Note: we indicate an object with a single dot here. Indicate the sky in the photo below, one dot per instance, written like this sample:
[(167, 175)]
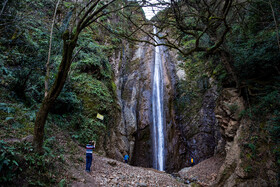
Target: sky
[(151, 11)]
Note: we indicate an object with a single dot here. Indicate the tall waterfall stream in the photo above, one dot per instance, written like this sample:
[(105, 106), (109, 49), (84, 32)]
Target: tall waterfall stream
[(158, 117)]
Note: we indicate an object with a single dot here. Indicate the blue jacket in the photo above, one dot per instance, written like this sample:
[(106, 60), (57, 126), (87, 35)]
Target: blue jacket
[(126, 157)]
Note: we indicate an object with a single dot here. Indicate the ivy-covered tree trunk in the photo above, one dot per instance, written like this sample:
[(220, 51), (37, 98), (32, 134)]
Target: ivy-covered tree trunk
[(69, 45)]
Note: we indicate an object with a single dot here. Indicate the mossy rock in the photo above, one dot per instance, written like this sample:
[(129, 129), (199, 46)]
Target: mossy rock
[(133, 65)]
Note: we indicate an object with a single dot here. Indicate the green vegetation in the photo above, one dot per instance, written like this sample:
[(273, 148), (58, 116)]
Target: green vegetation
[(251, 52), (8, 163), (191, 89), (255, 50), (88, 90), (239, 48), (21, 160), (24, 48)]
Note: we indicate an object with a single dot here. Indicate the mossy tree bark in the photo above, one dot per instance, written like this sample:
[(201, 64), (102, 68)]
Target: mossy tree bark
[(69, 45)]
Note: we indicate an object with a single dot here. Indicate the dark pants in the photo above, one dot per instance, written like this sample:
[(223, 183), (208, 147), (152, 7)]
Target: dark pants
[(88, 161), (126, 161)]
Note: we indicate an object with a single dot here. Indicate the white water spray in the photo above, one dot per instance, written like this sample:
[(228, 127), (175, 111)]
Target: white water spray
[(157, 102)]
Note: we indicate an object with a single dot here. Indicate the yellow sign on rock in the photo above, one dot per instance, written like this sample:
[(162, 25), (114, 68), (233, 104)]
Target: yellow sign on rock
[(99, 116)]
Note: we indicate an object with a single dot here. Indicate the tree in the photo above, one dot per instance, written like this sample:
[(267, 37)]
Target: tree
[(206, 23), (49, 54), (91, 12), (276, 23), (192, 26)]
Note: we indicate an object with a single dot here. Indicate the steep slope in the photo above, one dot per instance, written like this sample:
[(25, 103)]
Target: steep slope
[(69, 168), (104, 171)]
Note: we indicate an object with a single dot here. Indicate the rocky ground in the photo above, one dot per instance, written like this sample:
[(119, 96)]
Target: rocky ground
[(105, 171), (204, 173), (108, 172)]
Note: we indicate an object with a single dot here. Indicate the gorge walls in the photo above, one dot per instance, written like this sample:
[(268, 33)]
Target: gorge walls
[(130, 132), (242, 166)]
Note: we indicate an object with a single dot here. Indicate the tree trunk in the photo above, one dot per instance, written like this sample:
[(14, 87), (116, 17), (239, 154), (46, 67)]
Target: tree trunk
[(41, 117), (40, 125)]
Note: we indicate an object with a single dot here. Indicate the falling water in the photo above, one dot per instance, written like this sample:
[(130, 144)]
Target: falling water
[(157, 101)]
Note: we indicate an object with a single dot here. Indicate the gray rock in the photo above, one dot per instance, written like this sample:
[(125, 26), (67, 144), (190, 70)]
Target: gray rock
[(142, 185), (27, 139), (182, 173), (112, 163)]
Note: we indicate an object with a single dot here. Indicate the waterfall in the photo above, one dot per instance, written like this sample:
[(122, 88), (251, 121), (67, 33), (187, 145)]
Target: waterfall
[(157, 102)]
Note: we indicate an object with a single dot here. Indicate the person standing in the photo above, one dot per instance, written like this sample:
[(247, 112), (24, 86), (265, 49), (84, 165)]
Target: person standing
[(89, 148), (125, 158), (192, 161)]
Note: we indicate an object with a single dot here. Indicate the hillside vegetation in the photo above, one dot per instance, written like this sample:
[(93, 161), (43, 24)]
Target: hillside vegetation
[(242, 51)]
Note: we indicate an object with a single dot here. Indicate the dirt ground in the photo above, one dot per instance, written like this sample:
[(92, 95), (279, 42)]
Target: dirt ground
[(204, 173), (109, 172), (106, 171)]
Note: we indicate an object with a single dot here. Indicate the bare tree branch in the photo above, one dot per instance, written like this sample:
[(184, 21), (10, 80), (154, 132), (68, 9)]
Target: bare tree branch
[(276, 24), (3, 8), (49, 54)]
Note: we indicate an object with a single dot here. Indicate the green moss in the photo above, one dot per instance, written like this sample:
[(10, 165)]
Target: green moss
[(132, 65), (126, 93), (114, 86), (193, 184)]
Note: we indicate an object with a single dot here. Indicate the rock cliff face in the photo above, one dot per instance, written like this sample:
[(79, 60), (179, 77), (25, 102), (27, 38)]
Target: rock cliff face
[(216, 127), (131, 131), (241, 167), (201, 132), (196, 120)]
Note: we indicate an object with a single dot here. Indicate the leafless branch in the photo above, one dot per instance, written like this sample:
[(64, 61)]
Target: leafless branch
[(49, 53), (3, 8)]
